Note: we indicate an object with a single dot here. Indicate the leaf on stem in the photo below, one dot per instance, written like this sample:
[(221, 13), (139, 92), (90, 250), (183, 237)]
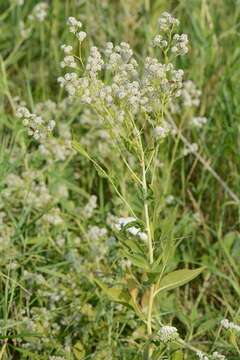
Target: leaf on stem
[(178, 278)]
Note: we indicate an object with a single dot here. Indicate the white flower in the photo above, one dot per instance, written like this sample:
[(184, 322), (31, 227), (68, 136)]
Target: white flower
[(218, 356), (202, 356), (67, 48), (37, 126), (190, 94), (94, 62), (167, 21), (51, 125), (90, 207), (53, 218), (230, 325), (81, 35), (95, 233), (39, 12), (180, 44), (74, 24), (170, 199), (23, 112), (199, 121), (162, 131), (168, 333), (69, 61), (124, 221), (191, 149), (159, 41), (133, 230)]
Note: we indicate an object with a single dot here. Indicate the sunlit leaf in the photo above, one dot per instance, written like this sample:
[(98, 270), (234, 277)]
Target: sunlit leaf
[(178, 278)]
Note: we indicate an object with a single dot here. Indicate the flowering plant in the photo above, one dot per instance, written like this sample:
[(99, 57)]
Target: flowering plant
[(131, 99)]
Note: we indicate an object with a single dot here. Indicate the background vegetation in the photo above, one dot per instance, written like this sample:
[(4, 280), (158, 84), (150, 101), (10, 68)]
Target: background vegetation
[(49, 247)]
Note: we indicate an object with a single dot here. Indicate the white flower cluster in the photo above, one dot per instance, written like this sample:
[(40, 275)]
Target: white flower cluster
[(98, 244), (40, 12), (52, 218), (160, 132), (168, 333), (37, 126), (29, 188), (133, 230), (57, 148), (180, 44), (161, 79), (190, 94), (226, 324), (96, 232), (159, 41), (70, 82), (166, 22), (217, 356), (69, 59), (94, 62), (199, 121), (202, 356), (129, 88), (191, 149), (170, 199), (90, 207), (75, 26)]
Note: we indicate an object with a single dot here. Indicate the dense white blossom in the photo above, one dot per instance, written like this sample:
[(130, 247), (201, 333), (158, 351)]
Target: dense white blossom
[(202, 356), (199, 121), (37, 126), (226, 324), (168, 333), (217, 356), (40, 12), (192, 148), (90, 207), (74, 24), (190, 94), (134, 230), (81, 35), (166, 21), (180, 44)]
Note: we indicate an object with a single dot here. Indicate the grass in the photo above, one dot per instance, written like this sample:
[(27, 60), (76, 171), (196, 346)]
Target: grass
[(49, 303)]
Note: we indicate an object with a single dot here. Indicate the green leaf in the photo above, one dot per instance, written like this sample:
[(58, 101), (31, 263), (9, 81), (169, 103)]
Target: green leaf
[(79, 351), (79, 148), (178, 355), (116, 294), (133, 245), (137, 260), (178, 278), (120, 295)]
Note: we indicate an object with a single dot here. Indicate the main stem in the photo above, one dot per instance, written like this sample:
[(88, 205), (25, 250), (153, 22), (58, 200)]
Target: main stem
[(150, 245)]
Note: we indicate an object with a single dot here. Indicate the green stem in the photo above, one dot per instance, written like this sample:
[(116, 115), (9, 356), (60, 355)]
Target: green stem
[(150, 247)]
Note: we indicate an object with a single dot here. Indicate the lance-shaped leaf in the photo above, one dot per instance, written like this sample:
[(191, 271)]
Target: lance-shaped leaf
[(177, 278), (119, 295), (116, 294), (137, 260)]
